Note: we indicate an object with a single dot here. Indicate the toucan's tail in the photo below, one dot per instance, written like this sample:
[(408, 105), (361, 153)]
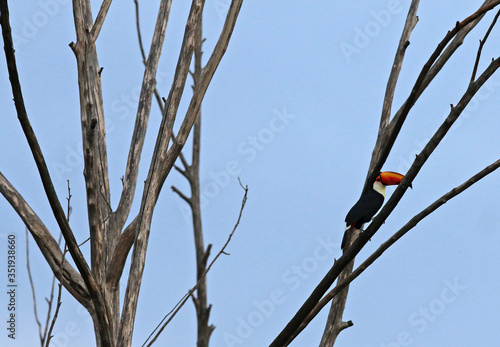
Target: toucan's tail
[(347, 228)]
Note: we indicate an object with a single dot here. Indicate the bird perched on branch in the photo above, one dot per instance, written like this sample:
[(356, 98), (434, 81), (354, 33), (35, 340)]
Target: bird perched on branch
[(370, 202)]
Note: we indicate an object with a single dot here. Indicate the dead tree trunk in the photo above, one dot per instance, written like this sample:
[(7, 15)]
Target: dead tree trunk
[(334, 323), (192, 174)]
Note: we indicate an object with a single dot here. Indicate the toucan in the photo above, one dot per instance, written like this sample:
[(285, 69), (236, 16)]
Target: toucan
[(370, 202)]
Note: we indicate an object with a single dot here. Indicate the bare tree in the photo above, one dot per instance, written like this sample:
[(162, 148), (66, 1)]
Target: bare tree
[(387, 134), (95, 283)]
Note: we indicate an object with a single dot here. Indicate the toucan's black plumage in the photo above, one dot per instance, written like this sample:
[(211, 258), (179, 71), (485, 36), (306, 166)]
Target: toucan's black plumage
[(364, 210), (370, 202)]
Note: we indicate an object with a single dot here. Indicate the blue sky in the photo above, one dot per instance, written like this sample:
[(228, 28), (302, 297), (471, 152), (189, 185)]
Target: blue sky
[(293, 111)]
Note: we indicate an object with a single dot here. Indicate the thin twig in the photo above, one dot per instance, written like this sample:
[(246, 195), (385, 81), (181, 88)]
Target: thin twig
[(56, 313), (182, 158), (48, 334), (400, 233), (30, 277), (185, 298), (49, 309), (43, 336), (481, 44), (81, 244), (143, 53), (181, 171), (139, 35), (52, 286), (182, 195)]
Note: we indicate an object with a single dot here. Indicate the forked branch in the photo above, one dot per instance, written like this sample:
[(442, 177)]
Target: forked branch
[(481, 44), (99, 21)]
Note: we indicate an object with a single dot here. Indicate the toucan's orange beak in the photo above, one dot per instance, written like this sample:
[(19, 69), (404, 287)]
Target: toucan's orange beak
[(390, 178)]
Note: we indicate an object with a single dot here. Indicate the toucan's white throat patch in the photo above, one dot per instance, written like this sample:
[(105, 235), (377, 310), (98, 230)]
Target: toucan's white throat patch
[(379, 188)]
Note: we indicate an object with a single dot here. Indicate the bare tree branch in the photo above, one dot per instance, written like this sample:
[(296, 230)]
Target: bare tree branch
[(48, 333), (404, 42), (181, 171), (59, 292), (186, 297), (182, 195), (182, 158), (56, 313), (143, 53), (449, 51), (139, 35), (481, 44), (108, 246), (43, 336), (50, 301), (428, 149), (143, 111), (94, 144), (122, 248), (99, 21), (334, 323)]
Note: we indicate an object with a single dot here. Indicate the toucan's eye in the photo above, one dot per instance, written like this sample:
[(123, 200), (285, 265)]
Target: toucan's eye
[(378, 179)]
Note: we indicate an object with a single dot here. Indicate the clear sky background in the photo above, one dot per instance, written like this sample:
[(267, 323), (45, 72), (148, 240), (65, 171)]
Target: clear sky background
[(293, 110)]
